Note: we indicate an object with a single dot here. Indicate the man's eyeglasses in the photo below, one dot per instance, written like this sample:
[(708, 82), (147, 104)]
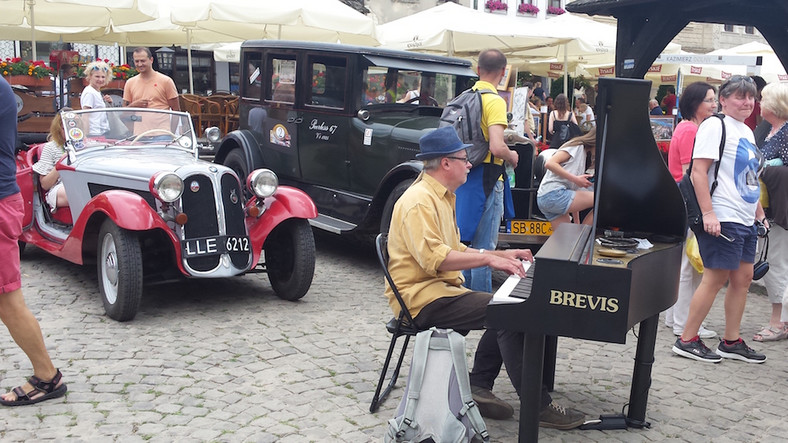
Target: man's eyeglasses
[(462, 159)]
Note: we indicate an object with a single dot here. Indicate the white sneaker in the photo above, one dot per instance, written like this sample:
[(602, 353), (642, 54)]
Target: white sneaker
[(702, 332)]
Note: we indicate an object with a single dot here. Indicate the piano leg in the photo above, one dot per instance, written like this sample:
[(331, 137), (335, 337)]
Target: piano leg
[(550, 351), (531, 387), (641, 375)]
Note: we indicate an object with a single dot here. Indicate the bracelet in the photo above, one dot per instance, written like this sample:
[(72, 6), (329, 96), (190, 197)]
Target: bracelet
[(708, 212)]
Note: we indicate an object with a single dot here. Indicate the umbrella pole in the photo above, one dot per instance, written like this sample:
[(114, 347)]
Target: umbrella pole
[(566, 75), (189, 59), (32, 3)]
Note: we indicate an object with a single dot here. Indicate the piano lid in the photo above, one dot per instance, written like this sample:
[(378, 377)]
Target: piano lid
[(635, 192)]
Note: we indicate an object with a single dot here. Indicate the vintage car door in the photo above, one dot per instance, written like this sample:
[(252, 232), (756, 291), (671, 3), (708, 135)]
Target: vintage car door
[(323, 131), (24, 178), (279, 126)]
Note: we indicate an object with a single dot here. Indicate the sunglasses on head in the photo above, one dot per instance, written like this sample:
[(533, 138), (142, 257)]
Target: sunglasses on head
[(99, 68), (736, 79)]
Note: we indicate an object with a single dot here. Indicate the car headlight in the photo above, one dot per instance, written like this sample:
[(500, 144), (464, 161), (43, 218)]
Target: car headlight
[(263, 182), (166, 186)]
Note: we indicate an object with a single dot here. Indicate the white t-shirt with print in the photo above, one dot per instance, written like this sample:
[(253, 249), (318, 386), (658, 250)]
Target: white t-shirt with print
[(576, 165), (736, 197)]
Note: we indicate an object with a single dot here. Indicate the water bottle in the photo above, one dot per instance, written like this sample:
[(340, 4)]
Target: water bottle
[(510, 174)]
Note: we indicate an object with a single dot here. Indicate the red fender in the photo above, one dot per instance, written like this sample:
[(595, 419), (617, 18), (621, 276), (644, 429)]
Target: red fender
[(287, 202), (127, 209)]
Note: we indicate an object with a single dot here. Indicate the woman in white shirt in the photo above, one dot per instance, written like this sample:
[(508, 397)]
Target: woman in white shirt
[(98, 74)]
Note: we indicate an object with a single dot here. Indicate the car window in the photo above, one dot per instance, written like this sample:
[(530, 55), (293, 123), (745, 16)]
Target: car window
[(252, 85), (107, 127), (282, 79), (329, 76), (389, 85)]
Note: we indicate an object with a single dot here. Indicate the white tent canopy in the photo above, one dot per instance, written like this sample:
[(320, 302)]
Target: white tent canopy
[(452, 29), (772, 70), (314, 20)]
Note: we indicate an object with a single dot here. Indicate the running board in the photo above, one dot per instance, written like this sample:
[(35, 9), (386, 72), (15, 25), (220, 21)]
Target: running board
[(331, 224)]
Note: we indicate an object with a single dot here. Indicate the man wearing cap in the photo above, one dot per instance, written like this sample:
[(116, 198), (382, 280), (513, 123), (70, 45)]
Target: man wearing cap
[(426, 258)]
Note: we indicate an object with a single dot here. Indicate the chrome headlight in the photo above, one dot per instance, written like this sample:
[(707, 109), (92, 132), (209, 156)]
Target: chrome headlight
[(166, 186), (213, 134), (263, 182)]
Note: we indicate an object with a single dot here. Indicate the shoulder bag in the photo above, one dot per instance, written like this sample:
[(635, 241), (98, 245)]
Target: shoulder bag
[(694, 214)]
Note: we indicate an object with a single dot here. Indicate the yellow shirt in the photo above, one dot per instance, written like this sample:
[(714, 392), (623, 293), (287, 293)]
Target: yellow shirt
[(423, 231), (493, 112)]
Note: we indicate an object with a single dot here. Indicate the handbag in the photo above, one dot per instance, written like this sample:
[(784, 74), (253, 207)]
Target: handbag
[(694, 214), (760, 268), (565, 131)]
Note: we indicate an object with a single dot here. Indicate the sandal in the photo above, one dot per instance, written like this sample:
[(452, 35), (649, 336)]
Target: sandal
[(42, 390), (769, 333)]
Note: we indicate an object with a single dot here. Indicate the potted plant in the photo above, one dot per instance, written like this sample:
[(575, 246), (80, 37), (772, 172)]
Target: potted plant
[(555, 10), (30, 73), (496, 6), (527, 8)]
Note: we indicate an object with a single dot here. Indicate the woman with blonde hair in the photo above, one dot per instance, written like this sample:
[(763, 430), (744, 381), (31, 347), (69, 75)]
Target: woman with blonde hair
[(98, 74), (565, 187), (52, 151)]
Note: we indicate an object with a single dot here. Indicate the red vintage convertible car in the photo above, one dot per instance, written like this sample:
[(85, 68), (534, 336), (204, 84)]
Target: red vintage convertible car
[(145, 208)]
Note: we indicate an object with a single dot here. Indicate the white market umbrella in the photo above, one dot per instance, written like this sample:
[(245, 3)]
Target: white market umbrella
[(328, 21), (772, 70), (74, 14), (451, 29)]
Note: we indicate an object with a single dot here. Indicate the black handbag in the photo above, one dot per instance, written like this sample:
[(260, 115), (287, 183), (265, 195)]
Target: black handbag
[(760, 268), (694, 214)]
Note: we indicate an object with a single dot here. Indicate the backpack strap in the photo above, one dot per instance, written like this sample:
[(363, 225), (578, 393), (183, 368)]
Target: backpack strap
[(469, 408), (418, 365), (717, 163)]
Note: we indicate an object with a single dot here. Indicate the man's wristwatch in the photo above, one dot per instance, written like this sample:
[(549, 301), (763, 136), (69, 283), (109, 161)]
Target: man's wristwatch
[(481, 251)]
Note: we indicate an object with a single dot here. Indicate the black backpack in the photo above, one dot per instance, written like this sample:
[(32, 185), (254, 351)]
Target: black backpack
[(464, 114)]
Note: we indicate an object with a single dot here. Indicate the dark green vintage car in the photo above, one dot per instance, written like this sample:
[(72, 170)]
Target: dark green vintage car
[(343, 124), (340, 122)]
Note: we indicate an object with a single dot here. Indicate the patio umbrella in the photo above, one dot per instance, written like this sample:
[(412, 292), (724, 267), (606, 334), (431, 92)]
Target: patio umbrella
[(311, 20), (73, 16), (455, 30), (772, 69)]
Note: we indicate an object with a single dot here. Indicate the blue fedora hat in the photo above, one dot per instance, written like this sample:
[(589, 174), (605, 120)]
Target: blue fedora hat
[(439, 143)]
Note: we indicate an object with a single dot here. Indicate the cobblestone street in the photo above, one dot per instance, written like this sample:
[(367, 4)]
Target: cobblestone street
[(226, 360)]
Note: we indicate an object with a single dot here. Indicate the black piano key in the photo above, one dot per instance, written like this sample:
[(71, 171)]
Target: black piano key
[(523, 288)]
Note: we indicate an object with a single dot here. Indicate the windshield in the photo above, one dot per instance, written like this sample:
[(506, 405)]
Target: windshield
[(91, 128), (390, 85)]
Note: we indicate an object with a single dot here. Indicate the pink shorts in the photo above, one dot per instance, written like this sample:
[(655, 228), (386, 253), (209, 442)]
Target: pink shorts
[(11, 212)]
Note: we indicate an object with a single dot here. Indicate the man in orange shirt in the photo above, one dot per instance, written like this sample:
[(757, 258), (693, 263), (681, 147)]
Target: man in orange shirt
[(149, 89)]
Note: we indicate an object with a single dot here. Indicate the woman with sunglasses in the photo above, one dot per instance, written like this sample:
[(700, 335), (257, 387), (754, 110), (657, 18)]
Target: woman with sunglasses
[(728, 241), (98, 74)]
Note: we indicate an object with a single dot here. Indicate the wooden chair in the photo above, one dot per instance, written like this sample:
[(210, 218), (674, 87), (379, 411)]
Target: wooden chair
[(212, 114), (194, 108), (231, 122)]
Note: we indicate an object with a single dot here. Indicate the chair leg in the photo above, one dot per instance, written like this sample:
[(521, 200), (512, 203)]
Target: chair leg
[(379, 396)]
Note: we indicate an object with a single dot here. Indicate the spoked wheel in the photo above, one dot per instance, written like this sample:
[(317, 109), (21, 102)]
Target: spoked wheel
[(290, 258), (119, 258)]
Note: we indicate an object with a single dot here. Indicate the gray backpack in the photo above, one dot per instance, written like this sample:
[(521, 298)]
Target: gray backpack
[(464, 114), (438, 404)]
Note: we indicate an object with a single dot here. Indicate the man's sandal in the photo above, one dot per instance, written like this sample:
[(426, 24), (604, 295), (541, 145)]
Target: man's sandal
[(42, 390), (769, 333)]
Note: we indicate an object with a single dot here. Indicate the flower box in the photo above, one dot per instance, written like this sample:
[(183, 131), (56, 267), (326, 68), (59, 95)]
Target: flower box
[(30, 82)]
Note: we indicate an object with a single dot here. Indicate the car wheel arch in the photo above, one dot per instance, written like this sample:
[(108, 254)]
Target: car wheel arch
[(246, 142)]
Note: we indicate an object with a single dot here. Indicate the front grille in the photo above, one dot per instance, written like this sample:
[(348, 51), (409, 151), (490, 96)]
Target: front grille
[(200, 207), (234, 215)]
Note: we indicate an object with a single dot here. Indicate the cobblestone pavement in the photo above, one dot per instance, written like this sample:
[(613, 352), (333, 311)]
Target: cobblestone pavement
[(226, 360)]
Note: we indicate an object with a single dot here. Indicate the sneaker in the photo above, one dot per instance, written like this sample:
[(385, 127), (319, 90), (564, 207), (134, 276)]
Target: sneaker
[(695, 349), (702, 332), (740, 351), (558, 417), (491, 406)]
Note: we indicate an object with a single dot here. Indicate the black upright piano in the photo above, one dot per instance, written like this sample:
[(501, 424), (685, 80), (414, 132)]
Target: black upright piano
[(573, 290)]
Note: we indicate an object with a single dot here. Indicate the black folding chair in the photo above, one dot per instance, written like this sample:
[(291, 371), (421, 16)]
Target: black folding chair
[(400, 326)]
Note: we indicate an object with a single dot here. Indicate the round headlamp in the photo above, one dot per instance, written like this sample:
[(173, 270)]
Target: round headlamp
[(263, 182), (166, 186)]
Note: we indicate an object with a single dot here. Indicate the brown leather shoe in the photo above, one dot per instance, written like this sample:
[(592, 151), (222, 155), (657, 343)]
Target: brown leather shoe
[(558, 417), (491, 406)]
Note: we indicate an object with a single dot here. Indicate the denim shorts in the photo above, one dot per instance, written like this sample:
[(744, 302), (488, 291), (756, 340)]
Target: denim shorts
[(720, 253), (555, 203)]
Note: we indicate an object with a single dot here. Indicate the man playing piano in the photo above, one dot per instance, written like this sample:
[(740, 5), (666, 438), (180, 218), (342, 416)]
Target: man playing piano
[(426, 260)]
